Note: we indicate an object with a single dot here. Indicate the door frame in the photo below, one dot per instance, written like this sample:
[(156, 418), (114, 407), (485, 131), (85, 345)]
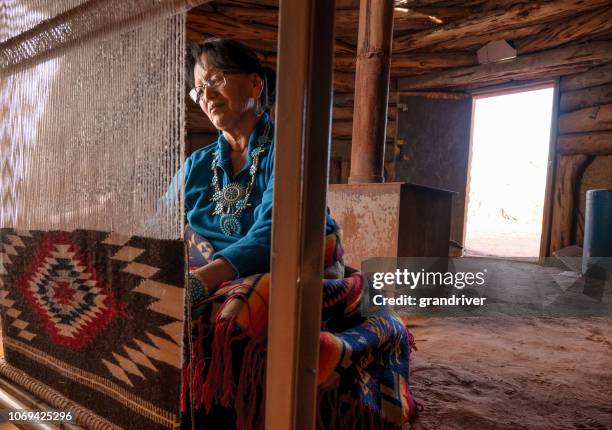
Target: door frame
[(551, 170)]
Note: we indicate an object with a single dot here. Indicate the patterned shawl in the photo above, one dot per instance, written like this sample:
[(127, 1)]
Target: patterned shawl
[(363, 362)]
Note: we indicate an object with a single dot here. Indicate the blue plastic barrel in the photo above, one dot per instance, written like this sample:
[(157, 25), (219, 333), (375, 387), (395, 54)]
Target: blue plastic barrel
[(597, 230)]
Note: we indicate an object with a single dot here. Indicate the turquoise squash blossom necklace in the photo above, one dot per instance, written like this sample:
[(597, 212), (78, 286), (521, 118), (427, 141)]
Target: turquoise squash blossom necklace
[(233, 199)]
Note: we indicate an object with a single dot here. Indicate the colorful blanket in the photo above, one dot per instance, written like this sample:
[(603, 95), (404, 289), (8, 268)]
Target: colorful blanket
[(363, 362)]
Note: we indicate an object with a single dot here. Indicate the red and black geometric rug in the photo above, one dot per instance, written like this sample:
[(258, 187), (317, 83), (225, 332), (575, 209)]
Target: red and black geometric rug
[(98, 317)]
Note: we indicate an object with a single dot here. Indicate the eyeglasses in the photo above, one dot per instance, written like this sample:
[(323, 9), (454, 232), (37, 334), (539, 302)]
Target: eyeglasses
[(215, 82)]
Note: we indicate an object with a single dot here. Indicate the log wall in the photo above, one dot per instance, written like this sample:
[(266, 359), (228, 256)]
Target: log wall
[(584, 150)]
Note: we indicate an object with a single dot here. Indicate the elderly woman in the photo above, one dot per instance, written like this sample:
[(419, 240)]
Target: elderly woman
[(228, 196), (229, 184)]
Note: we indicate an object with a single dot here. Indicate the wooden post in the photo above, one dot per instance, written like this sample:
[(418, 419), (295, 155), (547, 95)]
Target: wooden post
[(303, 133), (371, 90)]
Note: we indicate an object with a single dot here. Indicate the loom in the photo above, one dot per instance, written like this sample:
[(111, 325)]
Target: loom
[(91, 206)]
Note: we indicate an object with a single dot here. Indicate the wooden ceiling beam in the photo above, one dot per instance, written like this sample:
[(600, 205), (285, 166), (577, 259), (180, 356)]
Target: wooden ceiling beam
[(340, 4), (249, 3), (223, 26), (554, 62), (346, 20), (582, 27), (472, 43), (246, 14), (220, 25), (432, 61), (445, 14), (403, 62), (260, 46), (442, 3), (489, 25)]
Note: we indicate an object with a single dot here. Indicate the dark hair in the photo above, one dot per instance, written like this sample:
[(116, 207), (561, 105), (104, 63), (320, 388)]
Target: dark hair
[(229, 54)]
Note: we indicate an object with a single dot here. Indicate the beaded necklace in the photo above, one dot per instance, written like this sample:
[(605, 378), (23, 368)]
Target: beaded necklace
[(233, 199)]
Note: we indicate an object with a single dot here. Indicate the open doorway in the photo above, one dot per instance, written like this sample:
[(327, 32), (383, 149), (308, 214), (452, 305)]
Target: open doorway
[(507, 172)]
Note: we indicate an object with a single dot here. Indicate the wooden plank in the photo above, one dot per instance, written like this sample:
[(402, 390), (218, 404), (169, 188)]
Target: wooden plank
[(300, 185), (551, 63), (344, 129), (593, 77), (347, 98), (346, 112), (250, 3), (586, 97), (340, 4), (341, 149), (596, 143), (267, 16), (445, 14), (223, 26), (488, 25), (216, 23), (473, 6), (195, 36), (582, 27), (347, 21), (344, 82), (594, 118), (428, 61), (472, 43), (402, 64), (491, 23), (568, 170)]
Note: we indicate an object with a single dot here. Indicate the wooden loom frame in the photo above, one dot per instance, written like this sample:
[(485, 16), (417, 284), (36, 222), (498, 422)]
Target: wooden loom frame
[(303, 118), (304, 132)]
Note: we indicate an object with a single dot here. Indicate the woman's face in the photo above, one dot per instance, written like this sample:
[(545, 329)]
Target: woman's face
[(226, 105)]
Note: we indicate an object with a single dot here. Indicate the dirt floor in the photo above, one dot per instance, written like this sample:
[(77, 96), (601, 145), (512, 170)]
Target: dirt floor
[(513, 371), (547, 373)]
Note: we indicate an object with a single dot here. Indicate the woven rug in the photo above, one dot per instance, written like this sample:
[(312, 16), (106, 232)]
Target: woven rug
[(98, 317)]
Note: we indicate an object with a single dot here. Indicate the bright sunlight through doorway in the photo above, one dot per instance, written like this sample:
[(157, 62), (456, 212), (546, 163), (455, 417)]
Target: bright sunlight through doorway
[(510, 145)]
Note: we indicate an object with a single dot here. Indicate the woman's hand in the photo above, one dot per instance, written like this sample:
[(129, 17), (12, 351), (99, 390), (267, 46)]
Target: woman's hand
[(215, 273)]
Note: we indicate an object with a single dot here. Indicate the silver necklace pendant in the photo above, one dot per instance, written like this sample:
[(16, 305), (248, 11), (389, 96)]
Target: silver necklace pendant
[(230, 195), (230, 224), (233, 199)]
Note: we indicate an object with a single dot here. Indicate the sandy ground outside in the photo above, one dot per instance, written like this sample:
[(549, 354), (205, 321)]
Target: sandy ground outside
[(512, 373), (510, 243)]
